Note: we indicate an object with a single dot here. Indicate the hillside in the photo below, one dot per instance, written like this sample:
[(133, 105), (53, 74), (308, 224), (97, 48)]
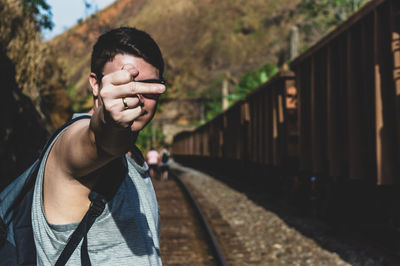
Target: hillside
[(203, 42)]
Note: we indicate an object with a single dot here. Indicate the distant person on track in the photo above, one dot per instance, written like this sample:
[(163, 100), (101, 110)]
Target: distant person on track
[(88, 162), (164, 168), (153, 159)]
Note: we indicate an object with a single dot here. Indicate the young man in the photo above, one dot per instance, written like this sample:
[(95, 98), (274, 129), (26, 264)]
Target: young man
[(89, 158)]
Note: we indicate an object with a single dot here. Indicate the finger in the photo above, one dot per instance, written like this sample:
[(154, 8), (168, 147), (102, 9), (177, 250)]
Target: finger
[(117, 105), (135, 87), (120, 77), (128, 102), (130, 115)]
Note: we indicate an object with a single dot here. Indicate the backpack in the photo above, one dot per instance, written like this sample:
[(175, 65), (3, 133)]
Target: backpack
[(164, 158), (17, 245)]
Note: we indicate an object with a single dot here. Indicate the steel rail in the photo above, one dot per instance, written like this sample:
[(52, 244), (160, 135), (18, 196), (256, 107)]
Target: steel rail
[(216, 249)]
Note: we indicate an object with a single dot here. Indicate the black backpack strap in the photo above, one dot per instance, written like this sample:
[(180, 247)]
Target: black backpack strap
[(31, 178), (96, 208), (85, 260), (58, 131)]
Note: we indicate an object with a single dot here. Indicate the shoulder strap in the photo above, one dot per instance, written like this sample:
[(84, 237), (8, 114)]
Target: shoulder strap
[(96, 208), (58, 131)]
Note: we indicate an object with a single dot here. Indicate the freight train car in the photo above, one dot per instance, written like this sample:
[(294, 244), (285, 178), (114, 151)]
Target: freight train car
[(342, 130), (349, 117), (256, 134)]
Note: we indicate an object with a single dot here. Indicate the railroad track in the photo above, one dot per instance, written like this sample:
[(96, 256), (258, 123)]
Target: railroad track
[(186, 237)]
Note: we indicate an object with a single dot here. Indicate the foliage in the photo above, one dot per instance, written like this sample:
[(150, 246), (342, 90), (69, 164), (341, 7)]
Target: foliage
[(145, 139), (163, 98), (326, 14), (78, 105), (246, 84), (40, 11), (213, 106), (212, 99), (252, 80)]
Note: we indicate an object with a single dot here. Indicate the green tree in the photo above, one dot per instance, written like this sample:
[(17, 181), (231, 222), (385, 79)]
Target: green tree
[(146, 136), (252, 80), (40, 11)]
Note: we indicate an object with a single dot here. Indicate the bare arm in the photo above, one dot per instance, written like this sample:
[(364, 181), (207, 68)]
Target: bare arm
[(88, 145)]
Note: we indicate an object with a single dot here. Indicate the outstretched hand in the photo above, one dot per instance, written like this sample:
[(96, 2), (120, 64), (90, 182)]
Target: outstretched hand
[(120, 96)]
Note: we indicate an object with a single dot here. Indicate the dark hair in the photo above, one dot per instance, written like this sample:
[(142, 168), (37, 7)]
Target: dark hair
[(125, 40)]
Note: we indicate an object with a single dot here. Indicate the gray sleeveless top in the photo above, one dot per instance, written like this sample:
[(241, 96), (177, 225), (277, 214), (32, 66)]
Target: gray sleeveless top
[(126, 233)]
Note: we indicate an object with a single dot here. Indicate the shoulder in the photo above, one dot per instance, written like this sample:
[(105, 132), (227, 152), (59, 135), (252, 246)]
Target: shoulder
[(60, 186)]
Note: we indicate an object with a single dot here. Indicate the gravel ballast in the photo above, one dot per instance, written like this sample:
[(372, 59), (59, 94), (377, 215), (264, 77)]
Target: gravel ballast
[(265, 238)]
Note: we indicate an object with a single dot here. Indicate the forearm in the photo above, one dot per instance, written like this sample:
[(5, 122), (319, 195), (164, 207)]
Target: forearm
[(108, 138), (89, 145)]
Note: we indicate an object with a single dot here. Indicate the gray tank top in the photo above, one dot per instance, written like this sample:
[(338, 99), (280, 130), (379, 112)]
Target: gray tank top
[(126, 233)]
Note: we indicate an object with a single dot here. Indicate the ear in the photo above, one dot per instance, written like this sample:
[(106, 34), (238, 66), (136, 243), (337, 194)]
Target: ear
[(94, 84)]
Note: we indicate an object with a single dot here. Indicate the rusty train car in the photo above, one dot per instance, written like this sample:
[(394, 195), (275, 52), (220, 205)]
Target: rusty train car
[(335, 118), (259, 130)]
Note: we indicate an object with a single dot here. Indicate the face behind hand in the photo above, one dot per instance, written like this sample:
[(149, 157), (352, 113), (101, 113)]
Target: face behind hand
[(146, 72)]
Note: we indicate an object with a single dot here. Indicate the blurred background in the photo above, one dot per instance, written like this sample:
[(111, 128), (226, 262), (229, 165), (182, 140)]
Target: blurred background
[(211, 48), (289, 109)]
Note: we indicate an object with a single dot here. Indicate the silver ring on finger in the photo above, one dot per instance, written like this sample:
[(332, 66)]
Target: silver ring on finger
[(124, 103)]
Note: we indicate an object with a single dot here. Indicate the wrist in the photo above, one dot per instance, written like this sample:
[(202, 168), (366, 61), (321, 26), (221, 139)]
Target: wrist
[(109, 138)]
